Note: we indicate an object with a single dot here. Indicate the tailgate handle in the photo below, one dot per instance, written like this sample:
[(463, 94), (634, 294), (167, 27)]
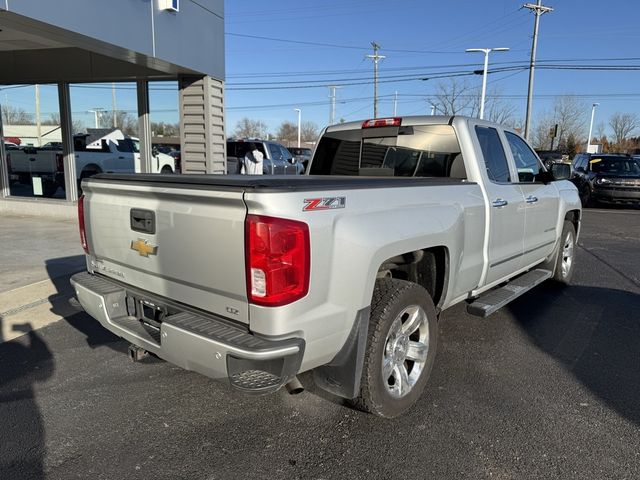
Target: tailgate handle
[(143, 221)]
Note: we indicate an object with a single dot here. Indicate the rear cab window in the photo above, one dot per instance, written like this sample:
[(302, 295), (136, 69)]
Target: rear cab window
[(403, 151)]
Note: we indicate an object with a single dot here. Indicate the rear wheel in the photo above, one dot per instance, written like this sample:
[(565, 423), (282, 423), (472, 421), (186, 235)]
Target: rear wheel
[(401, 347), (166, 169), (89, 171)]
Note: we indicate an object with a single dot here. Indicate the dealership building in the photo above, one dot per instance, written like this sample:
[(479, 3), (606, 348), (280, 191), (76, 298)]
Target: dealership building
[(64, 44)]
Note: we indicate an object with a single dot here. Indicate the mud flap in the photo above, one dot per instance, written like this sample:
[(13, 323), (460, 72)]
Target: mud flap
[(342, 375)]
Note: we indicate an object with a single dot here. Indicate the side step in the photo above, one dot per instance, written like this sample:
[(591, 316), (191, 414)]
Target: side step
[(489, 302)]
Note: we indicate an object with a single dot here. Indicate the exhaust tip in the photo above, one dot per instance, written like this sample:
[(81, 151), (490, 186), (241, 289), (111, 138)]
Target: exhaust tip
[(294, 387)]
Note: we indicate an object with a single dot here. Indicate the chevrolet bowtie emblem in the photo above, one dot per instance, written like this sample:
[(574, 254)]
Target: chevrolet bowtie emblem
[(143, 248)]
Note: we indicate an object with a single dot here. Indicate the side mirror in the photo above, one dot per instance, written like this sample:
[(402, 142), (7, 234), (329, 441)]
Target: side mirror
[(561, 171), (154, 151)]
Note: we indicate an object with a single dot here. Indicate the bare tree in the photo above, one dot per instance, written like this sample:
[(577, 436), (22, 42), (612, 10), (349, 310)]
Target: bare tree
[(15, 116), (453, 97), (498, 110), (622, 124), (541, 138), (247, 128), (54, 120), (287, 132), (124, 121), (165, 129), (570, 114), (309, 132)]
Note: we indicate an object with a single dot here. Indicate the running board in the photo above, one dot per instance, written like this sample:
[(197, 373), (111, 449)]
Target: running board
[(486, 304)]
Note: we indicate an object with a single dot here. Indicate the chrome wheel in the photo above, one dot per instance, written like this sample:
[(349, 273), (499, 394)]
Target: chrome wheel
[(405, 351), (567, 254)]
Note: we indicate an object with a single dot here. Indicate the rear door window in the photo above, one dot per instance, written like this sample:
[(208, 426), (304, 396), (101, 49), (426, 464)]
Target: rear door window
[(494, 158)]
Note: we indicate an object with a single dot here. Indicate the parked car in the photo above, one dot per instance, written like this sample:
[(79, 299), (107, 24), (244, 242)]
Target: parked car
[(301, 154), (113, 153), (11, 146), (343, 271), (550, 157), (610, 178), (277, 159)]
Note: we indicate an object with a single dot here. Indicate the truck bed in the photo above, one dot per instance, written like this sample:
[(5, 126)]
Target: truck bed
[(270, 183)]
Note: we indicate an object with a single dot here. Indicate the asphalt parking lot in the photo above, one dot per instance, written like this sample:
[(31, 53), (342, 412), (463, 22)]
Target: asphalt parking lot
[(547, 388)]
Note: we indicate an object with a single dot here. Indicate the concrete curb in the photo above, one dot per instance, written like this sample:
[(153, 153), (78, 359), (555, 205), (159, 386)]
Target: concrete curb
[(34, 306)]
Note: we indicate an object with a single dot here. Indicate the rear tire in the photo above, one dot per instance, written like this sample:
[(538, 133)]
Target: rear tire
[(565, 258), (166, 170), (89, 171), (401, 348)]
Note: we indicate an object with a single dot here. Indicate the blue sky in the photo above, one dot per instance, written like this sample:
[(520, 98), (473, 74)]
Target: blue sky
[(574, 30), (326, 43)]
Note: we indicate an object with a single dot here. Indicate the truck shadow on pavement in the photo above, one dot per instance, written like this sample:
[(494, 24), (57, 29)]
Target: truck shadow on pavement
[(23, 363), (595, 333), (96, 335)]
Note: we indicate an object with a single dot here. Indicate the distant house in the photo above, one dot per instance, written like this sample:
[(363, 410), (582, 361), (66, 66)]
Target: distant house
[(28, 134)]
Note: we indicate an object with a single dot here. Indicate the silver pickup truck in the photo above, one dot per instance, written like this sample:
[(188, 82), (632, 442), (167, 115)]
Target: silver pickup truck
[(343, 271)]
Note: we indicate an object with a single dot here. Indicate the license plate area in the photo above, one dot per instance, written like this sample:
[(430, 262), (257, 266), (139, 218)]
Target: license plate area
[(146, 311)]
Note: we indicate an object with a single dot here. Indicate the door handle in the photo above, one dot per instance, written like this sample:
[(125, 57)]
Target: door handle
[(499, 202), (531, 199)]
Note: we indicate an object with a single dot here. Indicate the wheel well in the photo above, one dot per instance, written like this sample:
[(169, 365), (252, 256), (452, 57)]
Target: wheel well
[(428, 268), (92, 167), (574, 217)]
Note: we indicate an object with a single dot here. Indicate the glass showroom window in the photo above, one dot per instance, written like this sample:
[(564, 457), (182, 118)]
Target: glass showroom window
[(33, 141), (165, 126)]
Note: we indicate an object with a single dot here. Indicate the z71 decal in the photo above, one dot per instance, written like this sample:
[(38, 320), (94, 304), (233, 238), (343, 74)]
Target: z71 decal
[(326, 203)]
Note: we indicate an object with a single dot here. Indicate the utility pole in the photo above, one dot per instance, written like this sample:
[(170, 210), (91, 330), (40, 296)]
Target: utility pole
[(38, 123), (332, 96), (97, 112), (538, 9), (376, 58), (395, 104), (113, 105)]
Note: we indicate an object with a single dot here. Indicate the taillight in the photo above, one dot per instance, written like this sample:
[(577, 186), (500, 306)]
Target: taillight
[(83, 235), (59, 162), (278, 256), (382, 122)]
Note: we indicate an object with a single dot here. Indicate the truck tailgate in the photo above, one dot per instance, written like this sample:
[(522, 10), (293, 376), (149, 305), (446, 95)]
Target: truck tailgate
[(185, 244)]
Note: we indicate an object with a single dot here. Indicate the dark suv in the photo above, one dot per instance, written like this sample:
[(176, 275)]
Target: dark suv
[(277, 159), (610, 178), (301, 154)]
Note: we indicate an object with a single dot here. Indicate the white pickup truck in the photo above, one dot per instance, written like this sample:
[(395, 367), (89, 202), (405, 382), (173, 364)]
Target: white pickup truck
[(343, 271), (114, 154)]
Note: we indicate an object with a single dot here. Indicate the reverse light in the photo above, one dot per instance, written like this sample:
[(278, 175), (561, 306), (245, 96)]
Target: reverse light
[(83, 235), (278, 260), (382, 122)]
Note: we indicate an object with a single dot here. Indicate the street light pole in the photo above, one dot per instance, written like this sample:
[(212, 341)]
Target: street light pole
[(299, 118), (593, 112), (486, 52), (97, 112)]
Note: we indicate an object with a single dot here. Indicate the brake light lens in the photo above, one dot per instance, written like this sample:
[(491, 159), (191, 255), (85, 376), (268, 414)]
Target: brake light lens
[(382, 122), (278, 260), (83, 235)]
